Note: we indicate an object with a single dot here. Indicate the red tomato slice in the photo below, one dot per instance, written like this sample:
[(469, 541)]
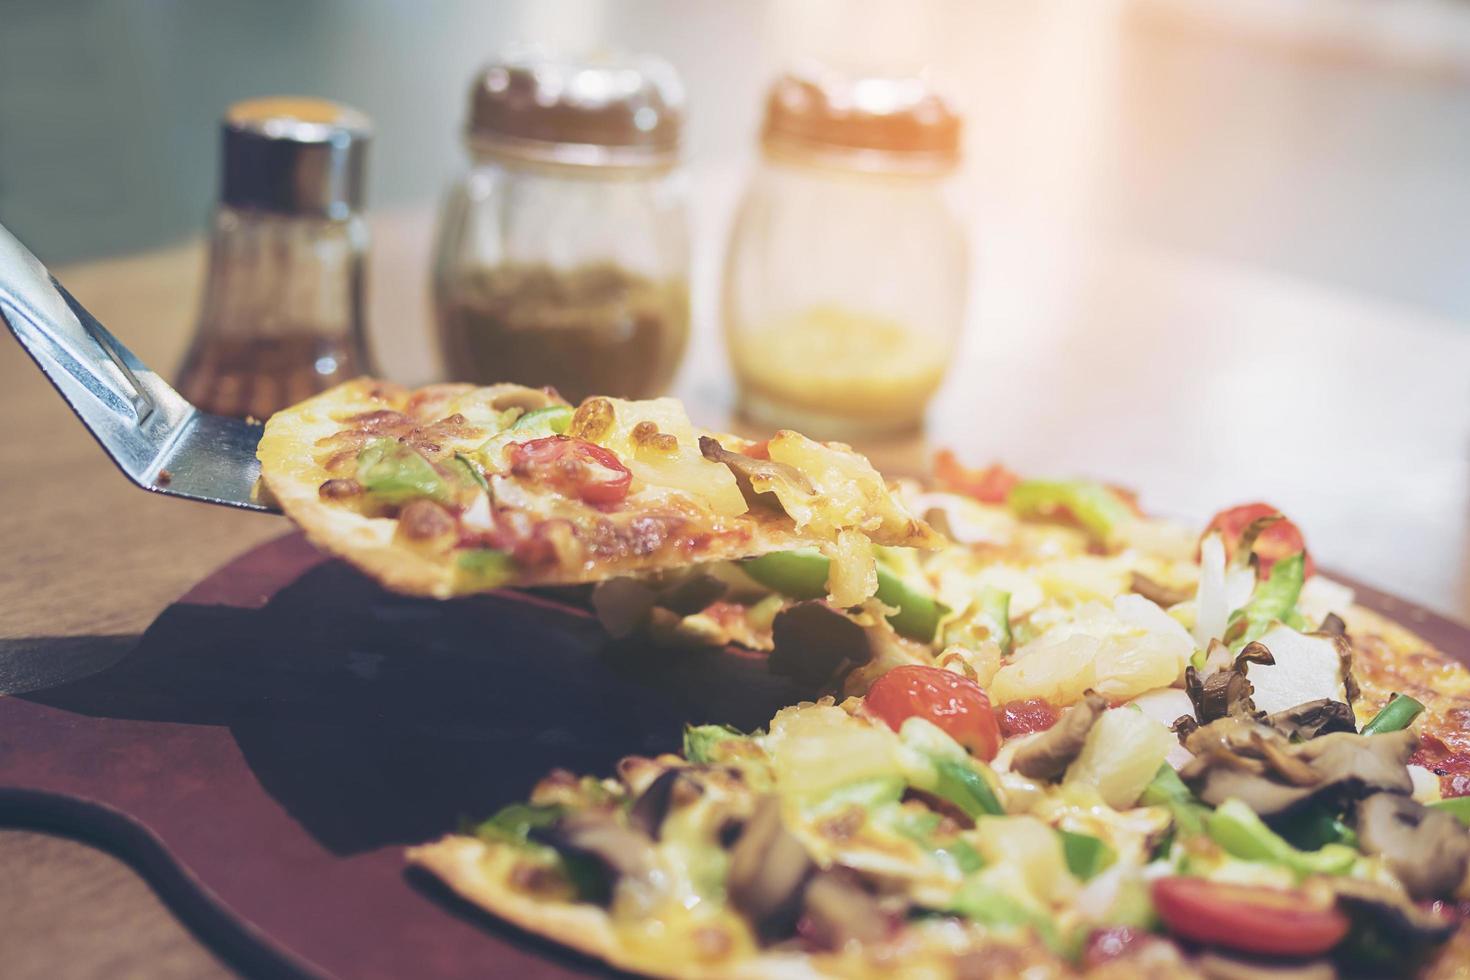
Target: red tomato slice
[(1281, 540), (954, 703), (575, 467), (1267, 921), (989, 486)]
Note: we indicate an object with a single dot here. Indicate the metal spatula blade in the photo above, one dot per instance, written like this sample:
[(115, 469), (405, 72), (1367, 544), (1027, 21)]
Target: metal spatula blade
[(158, 439)]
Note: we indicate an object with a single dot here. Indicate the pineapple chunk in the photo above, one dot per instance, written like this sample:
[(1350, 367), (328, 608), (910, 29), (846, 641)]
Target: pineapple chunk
[(1120, 652), (1123, 752), (816, 748)]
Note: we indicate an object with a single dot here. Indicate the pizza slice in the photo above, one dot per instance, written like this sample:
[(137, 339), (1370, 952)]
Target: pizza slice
[(453, 489)]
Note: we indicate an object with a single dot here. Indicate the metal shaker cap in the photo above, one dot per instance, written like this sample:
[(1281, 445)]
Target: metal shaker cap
[(897, 123), (295, 156), (606, 112)]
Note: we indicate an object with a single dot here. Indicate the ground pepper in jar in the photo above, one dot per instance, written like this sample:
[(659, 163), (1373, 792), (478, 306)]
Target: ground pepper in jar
[(594, 329), (563, 251)]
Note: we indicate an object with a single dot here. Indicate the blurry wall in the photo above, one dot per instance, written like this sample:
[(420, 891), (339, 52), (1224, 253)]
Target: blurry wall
[(1141, 119)]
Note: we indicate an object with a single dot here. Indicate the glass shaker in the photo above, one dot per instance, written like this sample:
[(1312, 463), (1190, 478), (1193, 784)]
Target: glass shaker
[(563, 252), (282, 316), (845, 280)]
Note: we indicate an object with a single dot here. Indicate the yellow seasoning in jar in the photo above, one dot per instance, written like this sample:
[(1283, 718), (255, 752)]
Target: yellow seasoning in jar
[(835, 369)]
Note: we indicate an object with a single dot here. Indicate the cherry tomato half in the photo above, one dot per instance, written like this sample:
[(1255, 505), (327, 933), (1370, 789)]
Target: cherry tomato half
[(575, 467), (1281, 540), (954, 703), (990, 485), (1268, 921)]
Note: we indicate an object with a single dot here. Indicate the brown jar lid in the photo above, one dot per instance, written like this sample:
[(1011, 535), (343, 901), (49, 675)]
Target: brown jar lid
[(606, 112), (892, 122), (294, 155)]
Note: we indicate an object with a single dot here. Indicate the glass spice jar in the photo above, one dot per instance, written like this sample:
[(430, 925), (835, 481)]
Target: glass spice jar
[(563, 253), (282, 316), (845, 280)]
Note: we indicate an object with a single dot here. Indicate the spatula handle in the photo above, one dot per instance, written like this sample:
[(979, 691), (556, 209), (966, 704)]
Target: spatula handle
[(80, 357)]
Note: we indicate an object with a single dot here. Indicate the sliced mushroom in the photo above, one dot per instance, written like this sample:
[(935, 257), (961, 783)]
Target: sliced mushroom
[(1048, 755), (768, 868), (1241, 758), (1397, 917), (750, 471), (837, 910), (625, 605), (1333, 625), (1226, 692), (598, 834), (1156, 592), (1427, 850), (1320, 717), (812, 643), (674, 787)]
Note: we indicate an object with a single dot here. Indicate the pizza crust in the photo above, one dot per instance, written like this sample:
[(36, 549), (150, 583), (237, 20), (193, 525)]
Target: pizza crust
[(465, 864)]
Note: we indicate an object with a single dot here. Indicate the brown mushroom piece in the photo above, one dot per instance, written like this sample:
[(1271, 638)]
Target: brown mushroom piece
[(1244, 759), (837, 910), (673, 787), (1427, 850), (1333, 625), (1387, 908), (599, 835), (1048, 755), (1320, 717), (624, 605), (750, 471), (812, 643), (768, 868), (1157, 592), (1226, 692)]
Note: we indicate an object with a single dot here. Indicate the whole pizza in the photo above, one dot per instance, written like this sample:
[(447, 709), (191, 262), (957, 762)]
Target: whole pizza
[(1048, 734)]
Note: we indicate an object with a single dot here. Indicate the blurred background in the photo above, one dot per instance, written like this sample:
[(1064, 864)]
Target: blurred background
[(1218, 250), (1326, 138)]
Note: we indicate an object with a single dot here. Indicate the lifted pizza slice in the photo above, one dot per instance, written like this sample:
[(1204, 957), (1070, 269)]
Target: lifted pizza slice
[(453, 489)]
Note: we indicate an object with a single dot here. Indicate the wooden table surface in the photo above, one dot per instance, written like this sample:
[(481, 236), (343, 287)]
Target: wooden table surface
[(1202, 385)]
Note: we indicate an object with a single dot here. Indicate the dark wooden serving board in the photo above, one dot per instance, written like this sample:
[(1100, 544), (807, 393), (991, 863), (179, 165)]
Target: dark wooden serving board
[(279, 735)]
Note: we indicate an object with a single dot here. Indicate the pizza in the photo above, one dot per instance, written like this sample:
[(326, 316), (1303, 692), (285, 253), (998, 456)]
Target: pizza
[(454, 489), (1074, 739)]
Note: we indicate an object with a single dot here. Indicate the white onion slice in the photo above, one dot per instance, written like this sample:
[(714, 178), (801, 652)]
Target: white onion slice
[(1212, 603)]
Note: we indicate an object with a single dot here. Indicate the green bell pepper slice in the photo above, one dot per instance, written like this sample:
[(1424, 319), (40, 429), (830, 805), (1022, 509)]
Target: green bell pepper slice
[(921, 828), (700, 740), (395, 473), (472, 471), (1236, 828), (553, 420), (1087, 856), (1100, 511), (1395, 716), (1274, 599), (1168, 790), (514, 823), (965, 788), (486, 567), (802, 574)]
